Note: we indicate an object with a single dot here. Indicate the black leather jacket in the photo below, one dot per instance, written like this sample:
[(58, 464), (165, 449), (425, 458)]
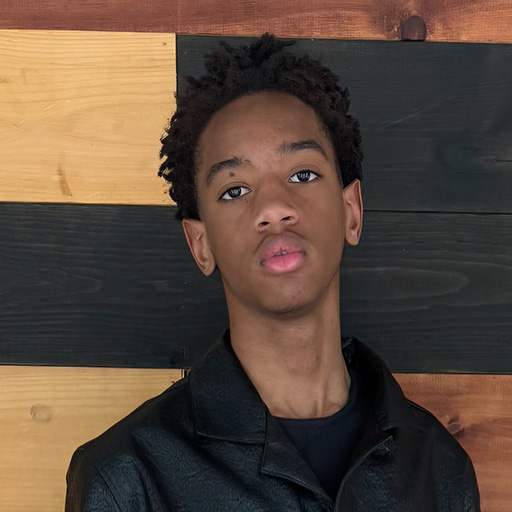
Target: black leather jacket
[(208, 443)]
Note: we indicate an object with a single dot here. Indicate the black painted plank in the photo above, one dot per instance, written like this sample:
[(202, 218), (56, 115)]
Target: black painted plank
[(104, 285), (436, 118), (101, 285)]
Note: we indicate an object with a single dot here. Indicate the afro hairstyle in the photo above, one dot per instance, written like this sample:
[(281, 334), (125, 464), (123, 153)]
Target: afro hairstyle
[(233, 72)]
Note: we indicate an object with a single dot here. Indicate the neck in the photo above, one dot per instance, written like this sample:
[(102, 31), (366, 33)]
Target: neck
[(296, 365)]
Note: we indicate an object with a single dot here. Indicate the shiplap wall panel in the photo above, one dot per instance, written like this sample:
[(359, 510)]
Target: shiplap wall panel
[(82, 114), (486, 21), (110, 285), (47, 412)]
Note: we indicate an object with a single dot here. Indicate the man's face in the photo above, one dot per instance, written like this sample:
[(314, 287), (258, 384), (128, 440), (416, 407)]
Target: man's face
[(273, 213)]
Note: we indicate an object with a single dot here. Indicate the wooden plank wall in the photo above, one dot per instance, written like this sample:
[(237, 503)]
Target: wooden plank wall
[(88, 240)]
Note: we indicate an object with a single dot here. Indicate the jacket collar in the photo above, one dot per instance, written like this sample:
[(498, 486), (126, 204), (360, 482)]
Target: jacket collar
[(227, 406), (389, 405), (225, 403)]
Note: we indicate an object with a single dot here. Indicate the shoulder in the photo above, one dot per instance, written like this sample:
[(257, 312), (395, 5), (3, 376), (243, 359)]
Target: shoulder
[(438, 436), (166, 412), (162, 415), (110, 466), (449, 462)]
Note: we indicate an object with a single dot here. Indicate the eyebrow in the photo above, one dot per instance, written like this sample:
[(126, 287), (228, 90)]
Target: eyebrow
[(292, 147), (236, 161), (285, 148)]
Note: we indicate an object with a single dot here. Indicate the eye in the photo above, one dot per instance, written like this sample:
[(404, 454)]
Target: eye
[(304, 176), (234, 193)]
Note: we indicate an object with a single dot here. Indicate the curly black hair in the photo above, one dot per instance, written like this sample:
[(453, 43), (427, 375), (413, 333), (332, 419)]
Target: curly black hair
[(233, 72)]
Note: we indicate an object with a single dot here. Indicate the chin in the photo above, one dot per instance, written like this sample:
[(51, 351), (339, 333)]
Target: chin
[(287, 309)]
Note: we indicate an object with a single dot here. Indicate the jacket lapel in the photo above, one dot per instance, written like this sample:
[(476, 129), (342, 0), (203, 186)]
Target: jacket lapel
[(227, 406), (282, 459)]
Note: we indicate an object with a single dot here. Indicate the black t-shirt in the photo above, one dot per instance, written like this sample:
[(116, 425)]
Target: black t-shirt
[(327, 444)]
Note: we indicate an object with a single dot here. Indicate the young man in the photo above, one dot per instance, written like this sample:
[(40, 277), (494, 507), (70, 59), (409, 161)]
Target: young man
[(281, 414)]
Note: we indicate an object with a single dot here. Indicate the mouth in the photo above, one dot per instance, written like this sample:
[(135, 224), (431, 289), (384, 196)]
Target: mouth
[(278, 259), (283, 262)]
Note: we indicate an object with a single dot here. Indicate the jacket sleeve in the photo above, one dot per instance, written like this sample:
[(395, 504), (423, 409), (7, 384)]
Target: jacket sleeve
[(472, 494), (87, 490)]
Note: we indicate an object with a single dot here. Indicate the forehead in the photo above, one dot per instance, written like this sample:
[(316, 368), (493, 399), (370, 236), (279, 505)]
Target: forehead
[(261, 120)]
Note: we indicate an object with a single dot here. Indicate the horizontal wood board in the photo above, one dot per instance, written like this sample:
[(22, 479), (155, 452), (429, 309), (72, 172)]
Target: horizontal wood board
[(39, 404), (82, 115), (111, 285), (457, 20), (436, 118)]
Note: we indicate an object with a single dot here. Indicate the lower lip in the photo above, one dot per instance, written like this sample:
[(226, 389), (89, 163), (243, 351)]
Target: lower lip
[(283, 264)]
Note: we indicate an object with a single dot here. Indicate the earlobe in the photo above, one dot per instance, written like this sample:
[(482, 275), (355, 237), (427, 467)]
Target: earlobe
[(353, 212), (197, 241)]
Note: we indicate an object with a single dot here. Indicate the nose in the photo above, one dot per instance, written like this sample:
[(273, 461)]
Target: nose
[(274, 209)]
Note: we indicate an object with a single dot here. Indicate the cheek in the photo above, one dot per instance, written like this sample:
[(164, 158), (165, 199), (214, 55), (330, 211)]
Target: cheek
[(328, 222), (226, 245), (325, 210)]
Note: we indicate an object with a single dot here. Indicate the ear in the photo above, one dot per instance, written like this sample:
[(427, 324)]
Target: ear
[(353, 203), (195, 233)]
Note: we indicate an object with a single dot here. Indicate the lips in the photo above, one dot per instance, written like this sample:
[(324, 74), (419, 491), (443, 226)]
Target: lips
[(281, 253)]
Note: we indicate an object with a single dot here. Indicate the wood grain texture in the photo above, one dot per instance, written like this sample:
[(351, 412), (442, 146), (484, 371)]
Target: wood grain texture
[(440, 141), (436, 119), (114, 285), (480, 405), (82, 114), (457, 20), (46, 413)]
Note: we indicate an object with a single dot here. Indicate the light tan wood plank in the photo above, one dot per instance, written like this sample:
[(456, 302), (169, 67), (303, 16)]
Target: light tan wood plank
[(47, 412), (82, 114), (476, 408)]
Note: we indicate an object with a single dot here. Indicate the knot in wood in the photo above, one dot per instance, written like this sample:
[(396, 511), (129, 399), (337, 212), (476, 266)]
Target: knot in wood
[(41, 413), (414, 29), (455, 428)]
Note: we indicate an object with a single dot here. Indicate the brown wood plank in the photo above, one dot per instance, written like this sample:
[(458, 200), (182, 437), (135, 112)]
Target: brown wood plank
[(82, 114), (476, 408), (46, 412), (458, 20)]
